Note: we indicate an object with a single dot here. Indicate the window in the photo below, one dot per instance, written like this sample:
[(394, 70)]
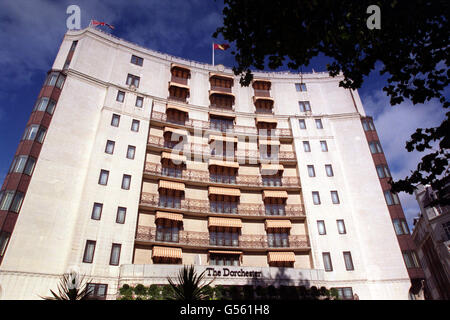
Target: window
[(341, 227), (55, 79), (11, 200), (304, 106), (334, 197), (221, 123), (321, 227), (327, 261), (302, 123), (97, 211), (137, 60), (329, 170), (375, 147), (323, 145), (319, 124), (4, 239), (348, 261), (300, 87), (135, 125), (34, 132), (311, 171), (120, 96), (224, 259), (103, 179), (126, 180), (133, 80), (23, 164), (115, 120), (400, 226), (139, 102), (279, 239), (115, 254), (224, 237), (45, 104), (345, 293), (73, 46), (306, 146), (167, 230), (391, 198), (316, 197), (130, 152), (410, 259), (89, 249), (383, 171), (97, 291), (368, 125), (110, 147), (121, 214)]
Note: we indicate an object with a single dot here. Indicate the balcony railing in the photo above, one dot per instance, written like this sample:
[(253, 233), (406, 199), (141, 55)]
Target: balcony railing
[(221, 89), (201, 239), (203, 206), (262, 93), (179, 80)]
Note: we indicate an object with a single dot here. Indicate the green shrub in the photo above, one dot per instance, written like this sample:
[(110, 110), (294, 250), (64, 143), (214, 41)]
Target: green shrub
[(166, 292), (140, 290), (154, 292)]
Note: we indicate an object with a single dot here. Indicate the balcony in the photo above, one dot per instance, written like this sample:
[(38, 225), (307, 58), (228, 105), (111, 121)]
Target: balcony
[(202, 207), (197, 239)]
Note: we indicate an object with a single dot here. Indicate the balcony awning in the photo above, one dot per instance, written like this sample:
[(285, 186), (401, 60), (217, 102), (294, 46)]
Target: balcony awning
[(269, 142), (211, 92), (171, 185), (223, 138), (278, 224), (180, 85), (224, 222), (274, 194), (270, 168), (229, 164), (179, 132), (224, 191), (173, 156), (266, 120), (281, 257), (221, 75), (167, 252), (171, 106), (222, 114), (179, 66), (256, 98), (225, 252), (169, 216)]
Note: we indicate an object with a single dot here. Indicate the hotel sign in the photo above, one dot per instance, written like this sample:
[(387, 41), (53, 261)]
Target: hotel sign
[(226, 272)]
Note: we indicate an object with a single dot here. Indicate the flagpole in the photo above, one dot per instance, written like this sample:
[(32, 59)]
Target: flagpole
[(213, 54)]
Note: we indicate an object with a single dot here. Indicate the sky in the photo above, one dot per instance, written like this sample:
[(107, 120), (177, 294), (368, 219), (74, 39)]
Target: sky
[(31, 32)]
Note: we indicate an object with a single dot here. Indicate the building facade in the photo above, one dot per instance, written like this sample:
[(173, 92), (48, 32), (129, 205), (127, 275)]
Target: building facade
[(135, 162)]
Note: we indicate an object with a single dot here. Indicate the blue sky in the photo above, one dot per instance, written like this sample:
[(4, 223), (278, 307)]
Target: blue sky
[(31, 32)]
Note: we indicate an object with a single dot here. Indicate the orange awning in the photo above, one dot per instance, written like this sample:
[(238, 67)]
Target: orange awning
[(229, 164), (267, 167), (274, 194), (278, 224), (269, 142), (167, 252), (173, 156), (171, 185), (224, 191), (225, 252), (169, 216), (222, 138), (221, 75), (176, 84), (266, 120), (179, 66), (281, 257), (170, 106), (179, 132), (211, 92), (224, 222), (222, 114)]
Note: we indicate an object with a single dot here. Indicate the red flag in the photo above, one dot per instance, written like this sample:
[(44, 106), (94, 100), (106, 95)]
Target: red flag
[(99, 23), (223, 46)]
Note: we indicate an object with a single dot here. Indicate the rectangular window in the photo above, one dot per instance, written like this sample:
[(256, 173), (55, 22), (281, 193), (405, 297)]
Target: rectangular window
[(348, 261), (110, 147), (375, 147), (410, 259), (334, 197), (4, 239), (341, 227), (6, 200), (130, 152), (304, 106), (120, 96), (302, 123), (327, 261), (17, 202), (139, 102), (323, 145), (51, 79), (368, 125), (319, 124), (300, 87), (103, 179), (311, 171), (321, 227), (391, 198), (329, 170), (306, 146), (383, 171), (97, 291), (126, 180), (115, 120), (121, 214), (133, 80), (115, 254), (29, 166), (89, 250), (316, 197), (135, 125), (97, 211), (400, 226), (137, 60)]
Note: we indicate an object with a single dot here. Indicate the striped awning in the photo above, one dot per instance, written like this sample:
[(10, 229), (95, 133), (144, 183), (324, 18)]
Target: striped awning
[(167, 252), (222, 114), (173, 156), (229, 164), (224, 222), (267, 167), (177, 131), (269, 142), (266, 120), (171, 185), (278, 224), (224, 191), (281, 257), (176, 84), (225, 252), (170, 106), (274, 194), (169, 216), (222, 138)]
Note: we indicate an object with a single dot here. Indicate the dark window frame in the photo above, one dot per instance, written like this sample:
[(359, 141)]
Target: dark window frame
[(115, 245), (85, 251)]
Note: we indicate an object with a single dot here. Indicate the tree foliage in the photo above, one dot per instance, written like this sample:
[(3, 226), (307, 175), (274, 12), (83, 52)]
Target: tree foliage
[(412, 46), (71, 287), (189, 285)]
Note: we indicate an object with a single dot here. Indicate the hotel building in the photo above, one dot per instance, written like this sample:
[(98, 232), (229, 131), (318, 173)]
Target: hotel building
[(135, 162)]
